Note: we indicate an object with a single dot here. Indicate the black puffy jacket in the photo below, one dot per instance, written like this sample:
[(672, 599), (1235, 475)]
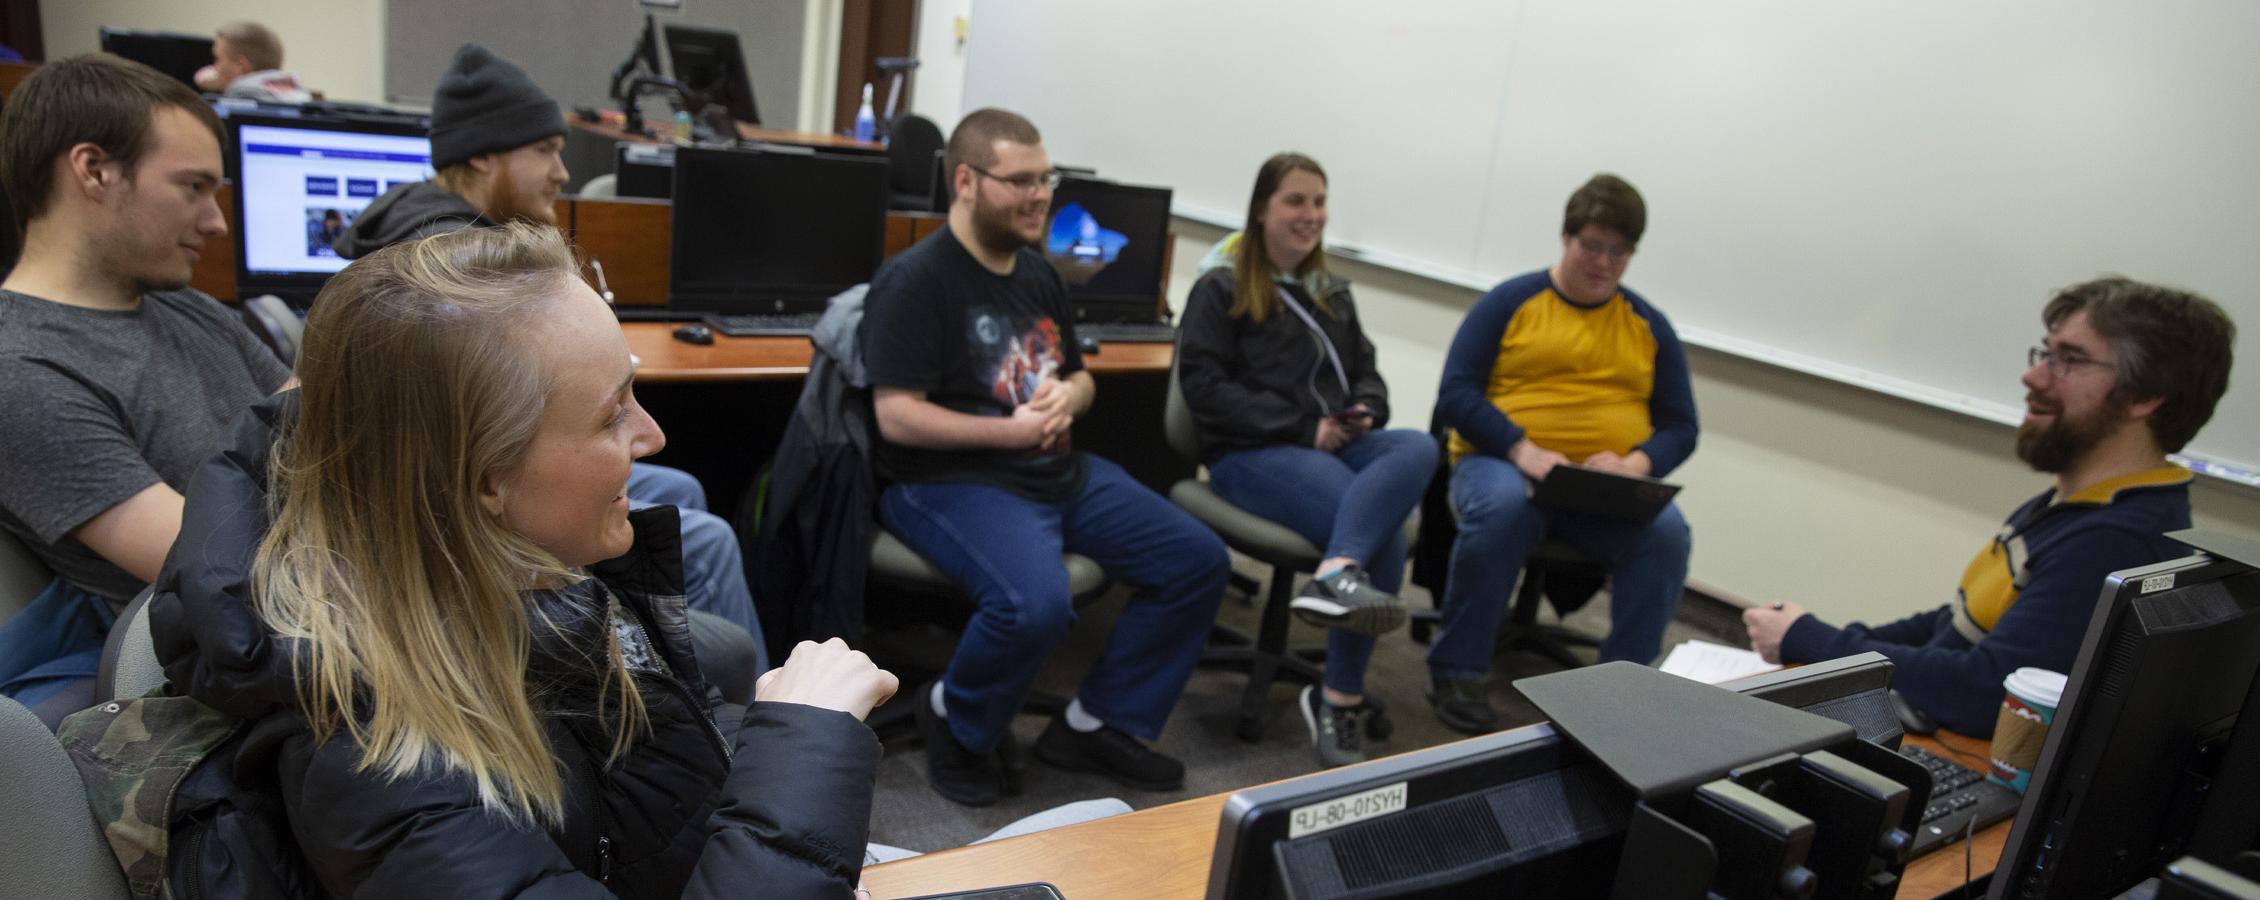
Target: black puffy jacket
[(1253, 385), (786, 815)]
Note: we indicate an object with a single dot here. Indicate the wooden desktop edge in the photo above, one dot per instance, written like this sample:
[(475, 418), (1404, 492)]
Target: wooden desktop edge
[(667, 360), (1164, 852)]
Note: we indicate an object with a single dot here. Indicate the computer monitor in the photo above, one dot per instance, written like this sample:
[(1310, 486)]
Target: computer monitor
[(1521, 813), (773, 230), (2136, 769), (178, 55), (301, 181), (1108, 240), (709, 64)]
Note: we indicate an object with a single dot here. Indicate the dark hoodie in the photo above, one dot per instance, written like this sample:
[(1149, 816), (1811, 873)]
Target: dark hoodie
[(405, 213), (786, 815)]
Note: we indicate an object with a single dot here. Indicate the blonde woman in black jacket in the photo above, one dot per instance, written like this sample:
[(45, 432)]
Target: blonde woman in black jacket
[(1281, 379), (467, 668)]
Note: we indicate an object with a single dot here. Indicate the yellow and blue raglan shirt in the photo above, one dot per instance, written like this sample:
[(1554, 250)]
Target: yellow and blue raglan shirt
[(2024, 600), (1576, 380)]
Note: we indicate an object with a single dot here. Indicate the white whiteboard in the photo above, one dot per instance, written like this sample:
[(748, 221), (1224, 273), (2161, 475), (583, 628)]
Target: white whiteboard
[(1881, 193)]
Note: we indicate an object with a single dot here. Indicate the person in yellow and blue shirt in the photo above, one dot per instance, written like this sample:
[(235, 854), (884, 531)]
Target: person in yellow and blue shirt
[(2128, 373), (1560, 365)]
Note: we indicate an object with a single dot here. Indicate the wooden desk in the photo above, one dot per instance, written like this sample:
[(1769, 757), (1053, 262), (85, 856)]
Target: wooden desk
[(612, 128), (14, 73), (666, 360), (1164, 852)]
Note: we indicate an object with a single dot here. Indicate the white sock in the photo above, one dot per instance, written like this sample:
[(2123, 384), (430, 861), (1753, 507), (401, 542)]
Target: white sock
[(936, 697), (1081, 719)]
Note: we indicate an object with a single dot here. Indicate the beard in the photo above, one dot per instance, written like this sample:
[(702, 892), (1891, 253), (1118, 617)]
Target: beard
[(2054, 447), (993, 227)]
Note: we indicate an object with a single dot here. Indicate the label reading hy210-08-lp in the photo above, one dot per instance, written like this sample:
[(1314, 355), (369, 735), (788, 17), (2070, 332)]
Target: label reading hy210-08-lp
[(1343, 810)]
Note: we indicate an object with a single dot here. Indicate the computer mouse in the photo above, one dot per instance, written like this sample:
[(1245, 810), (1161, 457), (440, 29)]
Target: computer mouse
[(1089, 345), (1915, 721), (695, 334)]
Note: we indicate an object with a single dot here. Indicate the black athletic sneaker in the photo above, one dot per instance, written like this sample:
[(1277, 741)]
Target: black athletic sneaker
[(955, 772), (1337, 732), (1463, 705), (1346, 600), (1111, 753)]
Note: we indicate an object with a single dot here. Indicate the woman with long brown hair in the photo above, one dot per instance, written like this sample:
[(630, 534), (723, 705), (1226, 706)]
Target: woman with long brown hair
[(466, 666), (1281, 379)]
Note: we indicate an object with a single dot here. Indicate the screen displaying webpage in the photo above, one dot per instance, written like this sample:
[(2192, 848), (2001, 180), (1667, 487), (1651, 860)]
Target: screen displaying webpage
[(302, 187)]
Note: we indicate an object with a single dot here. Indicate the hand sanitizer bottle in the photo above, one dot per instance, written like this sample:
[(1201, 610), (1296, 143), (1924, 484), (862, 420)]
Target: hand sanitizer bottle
[(865, 122)]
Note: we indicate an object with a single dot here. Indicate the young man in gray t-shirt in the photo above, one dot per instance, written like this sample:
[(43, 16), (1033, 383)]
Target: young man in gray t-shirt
[(115, 381)]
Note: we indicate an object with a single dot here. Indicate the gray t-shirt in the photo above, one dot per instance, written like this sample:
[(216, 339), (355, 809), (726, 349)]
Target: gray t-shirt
[(97, 405)]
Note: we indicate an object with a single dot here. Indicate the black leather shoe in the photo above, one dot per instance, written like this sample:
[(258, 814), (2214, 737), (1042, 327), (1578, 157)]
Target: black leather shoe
[(1111, 753), (1463, 705), (955, 772)]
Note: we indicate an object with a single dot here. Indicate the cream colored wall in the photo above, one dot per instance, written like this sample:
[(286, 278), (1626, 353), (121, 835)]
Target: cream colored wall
[(1858, 505), (334, 46), (940, 79)]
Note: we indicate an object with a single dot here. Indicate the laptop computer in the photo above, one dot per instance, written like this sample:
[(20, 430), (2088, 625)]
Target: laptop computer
[(1578, 488)]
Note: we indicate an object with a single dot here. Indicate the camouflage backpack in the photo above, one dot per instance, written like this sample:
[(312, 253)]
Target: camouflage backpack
[(133, 756)]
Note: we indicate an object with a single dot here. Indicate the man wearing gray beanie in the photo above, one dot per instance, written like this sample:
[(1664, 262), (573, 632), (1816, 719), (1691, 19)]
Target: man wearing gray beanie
[(497, 144), (497, 141)]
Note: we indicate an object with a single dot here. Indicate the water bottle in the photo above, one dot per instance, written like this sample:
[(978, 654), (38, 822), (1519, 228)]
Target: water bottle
[(865, 122), (683, 127)]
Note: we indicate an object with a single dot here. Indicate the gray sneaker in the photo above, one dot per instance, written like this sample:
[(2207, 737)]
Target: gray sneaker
[(1338, 733), (1346, 600)]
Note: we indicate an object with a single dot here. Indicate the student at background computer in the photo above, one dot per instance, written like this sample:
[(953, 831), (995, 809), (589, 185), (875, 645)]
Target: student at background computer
[(1280, 376), (1561, 365), (247, 60), (445, 497), (116, 378), (497, 141), (2128, 373), (976, 379)]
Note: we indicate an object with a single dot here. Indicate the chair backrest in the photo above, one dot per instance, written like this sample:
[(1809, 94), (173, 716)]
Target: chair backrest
[(1177, 425), (129, 666), (602, 187), (911, 142), (277, 324), (22, 576), (49, 844)]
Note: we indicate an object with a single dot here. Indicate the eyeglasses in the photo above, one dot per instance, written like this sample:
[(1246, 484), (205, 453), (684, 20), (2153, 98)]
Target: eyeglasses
[(1047, 179), (1615, 252), (2059, 364)]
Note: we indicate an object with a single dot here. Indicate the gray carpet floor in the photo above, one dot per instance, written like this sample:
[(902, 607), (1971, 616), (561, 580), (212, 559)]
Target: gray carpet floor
[(1201, 731)]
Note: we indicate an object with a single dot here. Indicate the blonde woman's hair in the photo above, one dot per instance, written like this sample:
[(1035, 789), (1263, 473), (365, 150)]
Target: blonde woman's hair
[(420, 384), (1253, 293)]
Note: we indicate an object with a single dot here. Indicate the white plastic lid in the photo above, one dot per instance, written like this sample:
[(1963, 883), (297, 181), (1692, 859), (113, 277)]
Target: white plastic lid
[(2037, 685)]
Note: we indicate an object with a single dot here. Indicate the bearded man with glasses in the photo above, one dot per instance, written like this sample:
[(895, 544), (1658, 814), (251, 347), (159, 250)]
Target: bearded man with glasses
[(2127, 374), (976, 377)]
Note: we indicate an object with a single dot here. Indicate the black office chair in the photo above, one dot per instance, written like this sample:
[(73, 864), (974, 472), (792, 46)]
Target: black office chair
[(913, 139), (11, 243), (1554, 569)]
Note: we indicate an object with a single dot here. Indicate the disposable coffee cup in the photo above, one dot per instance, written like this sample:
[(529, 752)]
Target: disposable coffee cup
[(2028, 706)]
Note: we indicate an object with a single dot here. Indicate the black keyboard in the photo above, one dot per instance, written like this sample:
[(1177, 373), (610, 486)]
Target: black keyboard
[(765, 324), (1127, 332), (1961, 801)]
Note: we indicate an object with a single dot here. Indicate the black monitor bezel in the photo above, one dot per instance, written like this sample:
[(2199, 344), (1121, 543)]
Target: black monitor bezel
[(184, 68), (2060, 780), (763, 298), (299, 287), (1117, 306), (723, 43)]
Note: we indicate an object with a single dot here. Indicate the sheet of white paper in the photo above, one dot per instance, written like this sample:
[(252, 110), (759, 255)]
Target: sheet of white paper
[(1713, 663)]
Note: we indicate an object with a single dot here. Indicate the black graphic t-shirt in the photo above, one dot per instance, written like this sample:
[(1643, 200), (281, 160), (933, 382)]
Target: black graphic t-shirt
[(976, 342)]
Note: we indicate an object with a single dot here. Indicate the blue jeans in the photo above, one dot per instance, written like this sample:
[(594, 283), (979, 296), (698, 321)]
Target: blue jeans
[(54, 645), (1352, 502), (713, 563), (1003, 550), (1499, 526)]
